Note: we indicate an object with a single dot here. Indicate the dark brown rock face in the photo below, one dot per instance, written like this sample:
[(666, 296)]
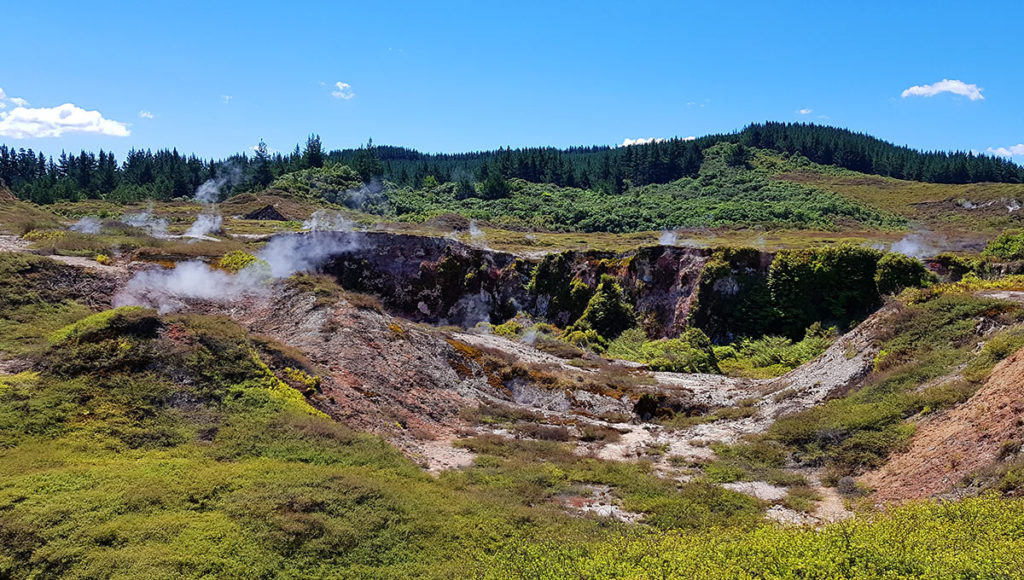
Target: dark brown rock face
[(443, 281)]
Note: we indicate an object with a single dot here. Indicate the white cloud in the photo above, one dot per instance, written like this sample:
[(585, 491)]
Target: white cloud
[(1012, 151), (640, 141), (344, 91), (690, 138), (226, 99), (145, 114), (971, 91), (23, 122), (16, 101), (805, 111)]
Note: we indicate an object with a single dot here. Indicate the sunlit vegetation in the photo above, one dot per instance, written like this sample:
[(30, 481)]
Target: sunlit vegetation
[(725, 192), (691, 352), (972, 538), (771, 356), (927, 340)]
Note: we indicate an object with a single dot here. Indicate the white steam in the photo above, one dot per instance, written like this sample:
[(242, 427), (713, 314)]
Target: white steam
[(87, 225), (205, 224), (476, 235), (167, 289), (327, 221), (170, 289), (916, 245), (289, 254), (157, 227), (667, 238), (475, 232), (210, 190), (368, 193)]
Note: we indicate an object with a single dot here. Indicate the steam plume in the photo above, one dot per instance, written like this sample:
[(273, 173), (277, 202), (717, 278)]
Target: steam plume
[(327, 221), (205, 224), (157, 227), (87, 225), (916, 245), (170, 289), (209, 191)]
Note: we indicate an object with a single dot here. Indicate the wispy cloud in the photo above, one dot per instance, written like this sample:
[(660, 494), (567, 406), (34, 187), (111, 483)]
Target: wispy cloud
[(6, 100), (24, 122), (226, 99), (805, 111), (1011, 151), (342, 91), (971, 91), (145, 115)]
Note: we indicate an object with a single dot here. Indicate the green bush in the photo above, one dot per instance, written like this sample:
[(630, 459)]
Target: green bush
[(771, 356), (833, 285), (896, 271), (1006, 246), (333, 183), (692, 352), (607, 312), (238, 260), (974, 538), (727, 192), (925, 341)]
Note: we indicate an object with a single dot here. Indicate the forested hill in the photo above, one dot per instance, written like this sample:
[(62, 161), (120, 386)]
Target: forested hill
[(166, 174), (614, 168)]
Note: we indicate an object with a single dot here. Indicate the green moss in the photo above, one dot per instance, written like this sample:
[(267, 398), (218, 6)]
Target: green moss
[(108, 321)]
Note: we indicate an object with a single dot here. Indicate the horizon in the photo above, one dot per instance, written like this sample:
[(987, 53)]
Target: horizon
[(249, 152)]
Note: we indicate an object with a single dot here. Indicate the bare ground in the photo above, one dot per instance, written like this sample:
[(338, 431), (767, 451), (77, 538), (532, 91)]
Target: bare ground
[(950, 445)]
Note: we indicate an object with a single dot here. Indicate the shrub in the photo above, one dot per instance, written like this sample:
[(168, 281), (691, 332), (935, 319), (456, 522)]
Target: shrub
[(510, 329), (833, 285), (771, 356), (1007, 246), (238, 260), (587, 339), (896, 271), (607, 312), (692, 352)]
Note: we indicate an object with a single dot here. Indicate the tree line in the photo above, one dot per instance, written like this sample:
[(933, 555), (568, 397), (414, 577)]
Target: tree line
[(167, 174), (615, 169)]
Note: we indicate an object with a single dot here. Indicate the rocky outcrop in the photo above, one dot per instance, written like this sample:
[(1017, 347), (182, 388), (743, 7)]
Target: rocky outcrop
[(436, 280), (443, 281)]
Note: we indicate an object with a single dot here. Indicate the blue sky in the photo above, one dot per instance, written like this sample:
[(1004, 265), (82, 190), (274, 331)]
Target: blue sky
[(454, 76)]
